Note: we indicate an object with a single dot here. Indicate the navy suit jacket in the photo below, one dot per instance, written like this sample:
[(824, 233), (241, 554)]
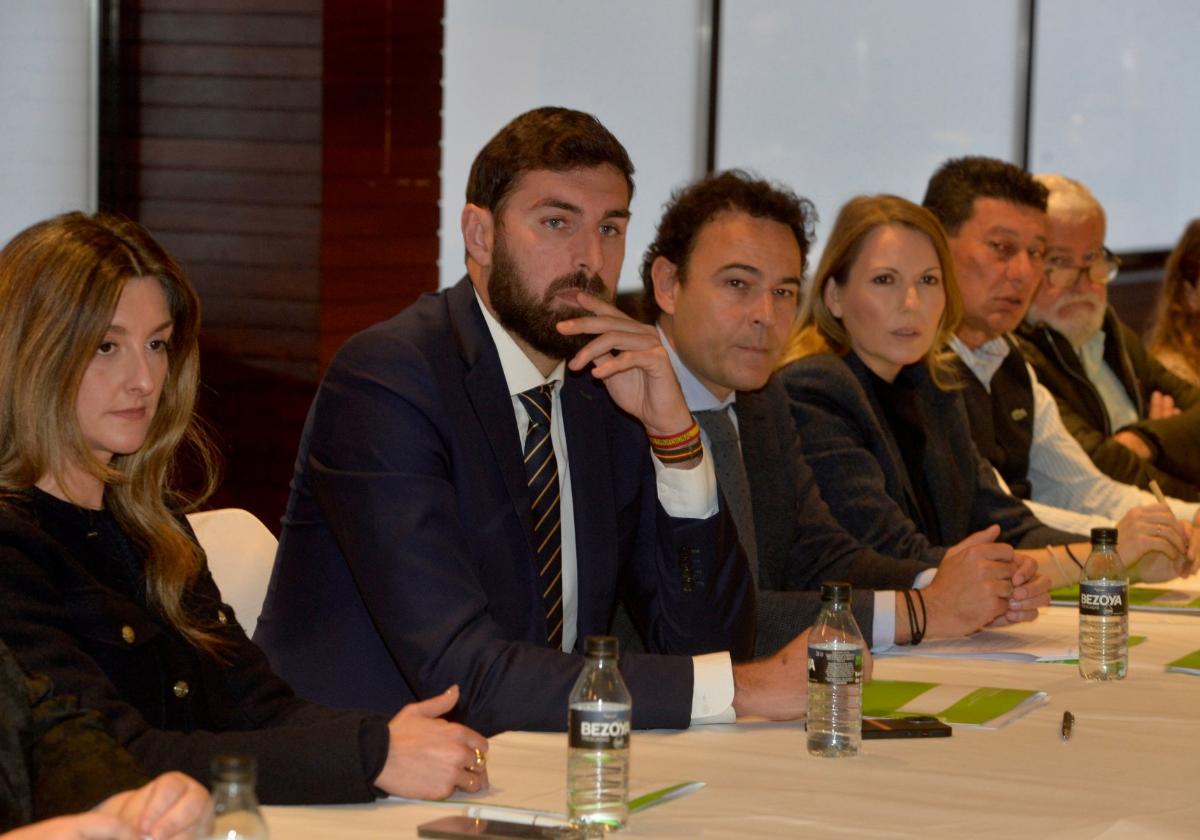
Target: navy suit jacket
[(406, 562)]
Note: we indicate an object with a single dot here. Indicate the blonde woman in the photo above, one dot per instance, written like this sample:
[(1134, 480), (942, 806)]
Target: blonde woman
[(104, 586), (1175, 334), (874, 398)]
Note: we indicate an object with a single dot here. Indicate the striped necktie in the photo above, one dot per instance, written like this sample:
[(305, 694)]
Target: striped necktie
[(541, 470)]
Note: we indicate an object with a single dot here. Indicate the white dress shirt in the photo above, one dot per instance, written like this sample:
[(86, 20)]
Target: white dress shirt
[(688, 494), (1060, 473)]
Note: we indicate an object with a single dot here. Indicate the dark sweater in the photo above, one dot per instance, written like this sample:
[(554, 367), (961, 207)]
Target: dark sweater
[(75, 609), (54, 758)]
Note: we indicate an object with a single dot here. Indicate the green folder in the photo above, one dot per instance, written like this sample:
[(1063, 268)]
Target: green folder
[(959, 705)]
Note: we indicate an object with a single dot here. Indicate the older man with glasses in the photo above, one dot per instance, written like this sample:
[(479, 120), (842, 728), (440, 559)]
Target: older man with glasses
[(994, 214), (1136, 419)]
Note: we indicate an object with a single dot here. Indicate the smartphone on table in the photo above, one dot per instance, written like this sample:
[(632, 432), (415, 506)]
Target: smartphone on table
[(915, 726)]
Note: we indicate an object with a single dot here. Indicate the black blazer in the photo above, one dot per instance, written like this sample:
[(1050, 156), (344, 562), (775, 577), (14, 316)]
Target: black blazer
[(75, 610), (800, 544), (406, 561), (862, 474)]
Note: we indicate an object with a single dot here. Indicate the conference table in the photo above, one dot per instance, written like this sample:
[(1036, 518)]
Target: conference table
[(1130, 769)]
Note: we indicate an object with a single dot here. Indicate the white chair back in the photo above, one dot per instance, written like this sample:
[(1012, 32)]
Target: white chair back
[(241, 553)]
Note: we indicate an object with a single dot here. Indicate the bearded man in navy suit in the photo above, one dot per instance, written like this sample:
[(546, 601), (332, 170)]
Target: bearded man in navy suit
[(414, 552)]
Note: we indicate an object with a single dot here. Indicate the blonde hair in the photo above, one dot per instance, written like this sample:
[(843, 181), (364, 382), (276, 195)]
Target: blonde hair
[(60, 281), (1176, 327), (818, 330)]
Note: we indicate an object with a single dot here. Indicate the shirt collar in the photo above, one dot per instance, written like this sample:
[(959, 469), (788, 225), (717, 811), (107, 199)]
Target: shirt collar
[(520, 373), (695, 393), (983, 360)]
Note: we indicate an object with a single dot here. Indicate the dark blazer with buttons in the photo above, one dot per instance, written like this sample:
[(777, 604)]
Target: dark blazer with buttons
[(74, 609), (406, 562), (863, 477), (800, 544)]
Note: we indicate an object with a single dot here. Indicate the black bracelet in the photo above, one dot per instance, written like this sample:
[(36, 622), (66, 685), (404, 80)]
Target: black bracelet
[(1074, 559), (924, 618), (914, 635)]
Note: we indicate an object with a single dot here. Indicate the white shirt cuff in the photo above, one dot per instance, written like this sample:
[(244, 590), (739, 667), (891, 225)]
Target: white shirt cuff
[(924, 578), (712, 689), (883, 625), (688, 494)]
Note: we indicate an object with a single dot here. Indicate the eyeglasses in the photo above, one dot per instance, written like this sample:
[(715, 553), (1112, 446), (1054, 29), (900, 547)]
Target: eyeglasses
[(1102, 270)]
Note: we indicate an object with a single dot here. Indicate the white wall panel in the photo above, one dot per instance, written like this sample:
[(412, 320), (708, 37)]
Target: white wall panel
[(47, 110), (635, 65), (867, 96), (1116, 106)]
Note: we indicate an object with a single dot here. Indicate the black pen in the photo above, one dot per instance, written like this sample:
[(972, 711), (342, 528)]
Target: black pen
[(1067, 722)]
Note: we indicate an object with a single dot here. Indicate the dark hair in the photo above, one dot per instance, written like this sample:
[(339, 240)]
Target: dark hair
[(553, 139), (956, 184), (693, 206)]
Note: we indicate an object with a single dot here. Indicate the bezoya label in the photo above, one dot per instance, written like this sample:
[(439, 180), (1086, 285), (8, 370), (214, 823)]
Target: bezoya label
[(1103, 597), (598, 730), (842, 666)]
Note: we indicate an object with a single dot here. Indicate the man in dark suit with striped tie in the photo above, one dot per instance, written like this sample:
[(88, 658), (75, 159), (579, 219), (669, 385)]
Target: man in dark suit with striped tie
[(484, 476), (722, 280)]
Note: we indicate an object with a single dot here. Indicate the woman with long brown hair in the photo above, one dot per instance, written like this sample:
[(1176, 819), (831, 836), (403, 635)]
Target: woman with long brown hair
[(104, 585), (1175, 334), (874, 397)]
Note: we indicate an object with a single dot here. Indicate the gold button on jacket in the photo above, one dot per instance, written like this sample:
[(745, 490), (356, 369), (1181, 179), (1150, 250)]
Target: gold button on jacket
[(128, 634), (181, 689)]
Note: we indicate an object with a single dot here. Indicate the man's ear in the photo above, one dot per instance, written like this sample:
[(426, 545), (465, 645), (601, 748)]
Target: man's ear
[(665, 275), (832, 295), (478, 231)]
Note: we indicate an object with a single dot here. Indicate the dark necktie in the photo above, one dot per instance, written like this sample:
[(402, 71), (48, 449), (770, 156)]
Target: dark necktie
[(541, 469), (731, 476)]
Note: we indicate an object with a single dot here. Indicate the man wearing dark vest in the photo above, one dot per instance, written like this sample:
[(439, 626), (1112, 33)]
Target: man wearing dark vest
[(721, 280), (995, 216), (1136, 420)]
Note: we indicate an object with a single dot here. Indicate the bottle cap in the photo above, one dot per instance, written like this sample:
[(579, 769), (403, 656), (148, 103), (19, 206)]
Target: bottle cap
[(1107, 536), (607, 646), (233, 768), (835, 590)]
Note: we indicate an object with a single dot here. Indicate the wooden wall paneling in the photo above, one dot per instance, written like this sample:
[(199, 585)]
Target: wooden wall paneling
[(382, 132), (287, 153)]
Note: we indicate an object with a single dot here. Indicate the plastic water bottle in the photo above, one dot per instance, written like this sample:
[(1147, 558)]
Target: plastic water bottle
[(235, 806), (598, 722), (1104, 611), (835, 657)]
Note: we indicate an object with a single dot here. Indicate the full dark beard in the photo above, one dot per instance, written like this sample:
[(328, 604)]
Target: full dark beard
[(532, 320)]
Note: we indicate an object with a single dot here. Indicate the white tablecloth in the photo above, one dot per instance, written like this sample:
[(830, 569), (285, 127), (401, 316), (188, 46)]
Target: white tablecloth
[(1130, 770)]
